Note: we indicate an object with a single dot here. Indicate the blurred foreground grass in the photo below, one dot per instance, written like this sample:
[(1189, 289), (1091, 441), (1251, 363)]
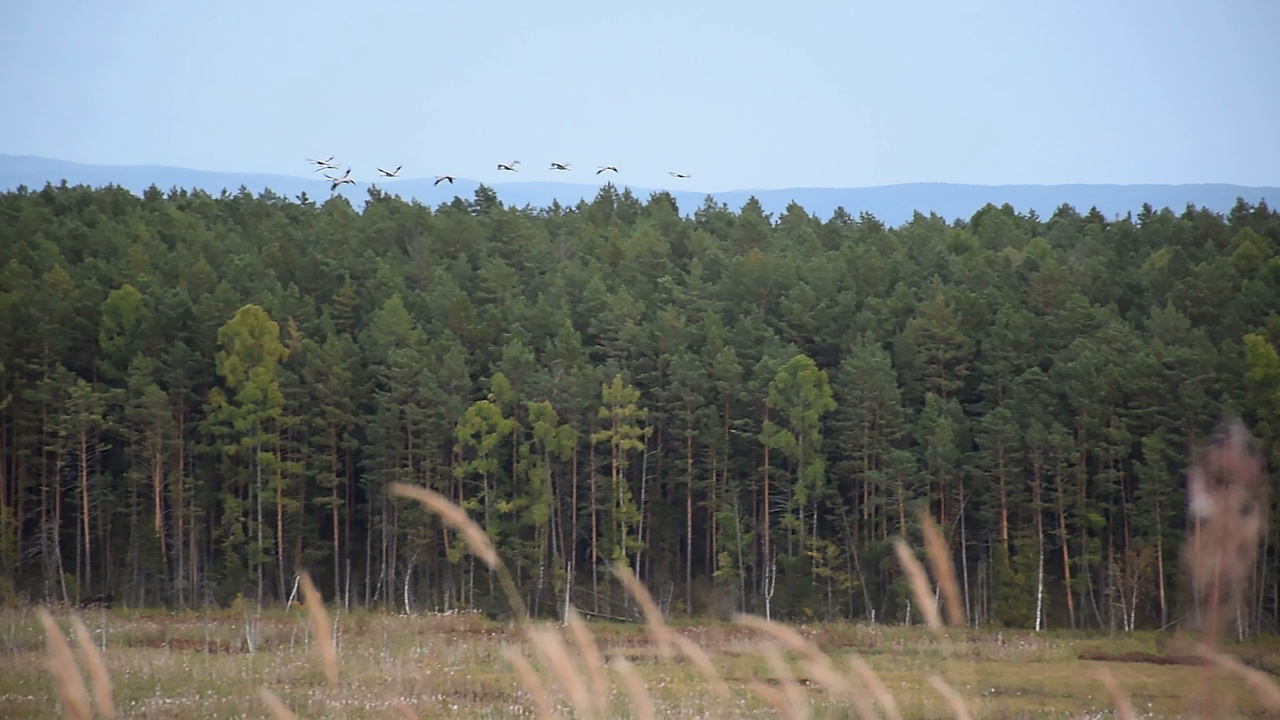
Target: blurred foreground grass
[(194, 664)]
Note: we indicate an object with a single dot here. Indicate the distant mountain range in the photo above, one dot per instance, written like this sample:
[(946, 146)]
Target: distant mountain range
[(891, 204)]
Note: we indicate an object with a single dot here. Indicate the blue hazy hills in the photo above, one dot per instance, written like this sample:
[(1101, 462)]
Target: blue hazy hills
[(891, 204)]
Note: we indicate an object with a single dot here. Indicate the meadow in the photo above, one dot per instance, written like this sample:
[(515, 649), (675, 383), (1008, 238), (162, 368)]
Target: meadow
[(213, 664)]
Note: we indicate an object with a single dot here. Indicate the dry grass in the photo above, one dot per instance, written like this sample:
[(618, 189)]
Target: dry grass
[(878, 690), (552, 648), (591, 657), (943, 570), (97, 669), (1263, 687), (653, 616), (455, 517), (919, 584), (277, 707), (641, 703), (71, 689), (953, 698), (1124, 708), (456, 666), (532, 683), (320, 627)]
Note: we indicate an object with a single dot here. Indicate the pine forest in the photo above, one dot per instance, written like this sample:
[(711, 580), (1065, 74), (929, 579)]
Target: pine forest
[(202, 395)]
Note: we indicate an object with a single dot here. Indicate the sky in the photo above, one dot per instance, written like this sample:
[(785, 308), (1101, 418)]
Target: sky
[(740, 95)]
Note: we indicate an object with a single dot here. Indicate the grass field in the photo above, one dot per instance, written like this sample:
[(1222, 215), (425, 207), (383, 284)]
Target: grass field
[(213, 665)]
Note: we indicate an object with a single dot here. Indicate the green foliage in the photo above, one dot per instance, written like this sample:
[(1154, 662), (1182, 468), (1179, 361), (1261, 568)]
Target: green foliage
[(200, 395)]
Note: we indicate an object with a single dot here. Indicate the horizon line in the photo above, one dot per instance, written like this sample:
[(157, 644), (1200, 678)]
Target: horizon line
[(391, 181)]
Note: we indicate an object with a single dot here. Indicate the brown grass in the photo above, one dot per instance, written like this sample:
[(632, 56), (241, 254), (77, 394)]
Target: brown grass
[(1225, 500), (278, 709), (71, 689), (657, 626), (817, 662), (1124, 708), (943, 569), (453, 516), (553, 650), (1262, 686), (97, 669), (919, 584), (702, 664), (958, 708), (876, 686), (531, 682), (321, 628), (794, 704), (591, 657), (641, 703)]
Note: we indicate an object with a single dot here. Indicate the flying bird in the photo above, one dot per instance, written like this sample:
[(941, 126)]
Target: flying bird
[(321, 162), (606, 167), (343, 179), (442, 178), (679, 175), (338, 182), (509, 166), (559, 166), (390, 173)]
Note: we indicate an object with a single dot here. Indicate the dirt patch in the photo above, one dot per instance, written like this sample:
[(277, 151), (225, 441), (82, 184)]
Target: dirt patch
[(212, 647), (1134, 656)]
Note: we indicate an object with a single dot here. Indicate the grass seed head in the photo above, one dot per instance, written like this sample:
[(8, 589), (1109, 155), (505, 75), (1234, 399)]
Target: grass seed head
[(952, 697), (278, 709), (453, 516), (919, 584), (71, 689), (657, 626), (641, 703), (102, 694), (591, 656), (1124, 708), (944, 571), (1262, 686), (877, 687), (320, 627), (531, 682), (552, 647), (701, 663)]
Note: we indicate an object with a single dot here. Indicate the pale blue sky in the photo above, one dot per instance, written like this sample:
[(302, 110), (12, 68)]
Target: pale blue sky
[(739, 94)]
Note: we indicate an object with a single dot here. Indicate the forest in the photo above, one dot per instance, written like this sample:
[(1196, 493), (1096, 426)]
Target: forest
[(202, 395)]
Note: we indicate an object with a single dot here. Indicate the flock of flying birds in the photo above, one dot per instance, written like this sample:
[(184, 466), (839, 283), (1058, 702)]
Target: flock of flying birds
[(346, 179)]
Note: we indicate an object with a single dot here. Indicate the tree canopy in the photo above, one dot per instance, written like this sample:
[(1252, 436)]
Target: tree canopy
[(200, 395)]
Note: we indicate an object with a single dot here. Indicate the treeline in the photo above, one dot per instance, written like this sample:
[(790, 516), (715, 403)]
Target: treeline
[(201, 395)]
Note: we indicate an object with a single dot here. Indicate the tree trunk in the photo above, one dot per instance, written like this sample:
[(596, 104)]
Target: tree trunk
[(688, 517), (595, 537), (765, 514), (1039, 511), (337, 481), (1066, 553), (84, 510), (1164, 608)]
